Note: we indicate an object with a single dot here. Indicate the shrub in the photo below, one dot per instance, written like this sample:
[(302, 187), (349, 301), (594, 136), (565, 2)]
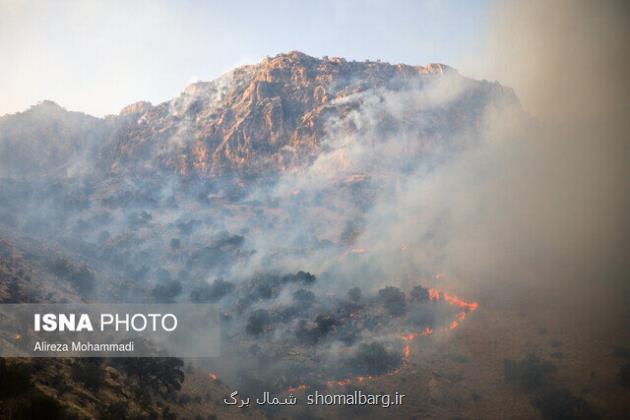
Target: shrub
[(79, 277), (15, 379), (115, 411), (374, 359), (528, 373), (165, 292), (160, 374), (89, 374), (354, 294), (39, 406), (560, 404), (393, 300), (258, 322)]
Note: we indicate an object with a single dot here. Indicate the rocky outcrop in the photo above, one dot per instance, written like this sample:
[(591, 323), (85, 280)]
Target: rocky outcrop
[(256, 119)]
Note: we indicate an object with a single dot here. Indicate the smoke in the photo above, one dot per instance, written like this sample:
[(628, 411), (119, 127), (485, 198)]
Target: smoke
[(574, 173), (514, 205), (542, 204), (567, 60), (437, 174)]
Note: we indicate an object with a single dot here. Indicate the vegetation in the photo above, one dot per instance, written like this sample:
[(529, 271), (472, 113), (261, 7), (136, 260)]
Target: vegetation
[(20, 399), (89, 373), (159, 374), (528, 373), (79, 277), (560, 404), (393, 300), (374, 359)]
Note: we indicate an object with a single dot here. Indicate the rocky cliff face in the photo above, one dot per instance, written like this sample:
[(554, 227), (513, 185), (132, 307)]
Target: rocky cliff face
[(256, 119)]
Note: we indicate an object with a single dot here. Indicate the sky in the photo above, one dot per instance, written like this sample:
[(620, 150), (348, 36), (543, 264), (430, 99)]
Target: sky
[(99, 56)]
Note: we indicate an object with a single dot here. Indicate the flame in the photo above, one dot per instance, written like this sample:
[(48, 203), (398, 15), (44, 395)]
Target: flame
[(213, 376), (299, 387), (407, 338), (455, 301), (434, 294)]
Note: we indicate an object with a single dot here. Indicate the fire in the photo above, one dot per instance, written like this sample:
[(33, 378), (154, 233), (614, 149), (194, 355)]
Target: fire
[(213, 376), (407, 338), (412, 336), (434, 294), (300, 387), (455, 301)]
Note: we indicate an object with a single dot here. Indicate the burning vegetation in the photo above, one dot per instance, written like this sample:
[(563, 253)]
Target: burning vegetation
[(283, 328)]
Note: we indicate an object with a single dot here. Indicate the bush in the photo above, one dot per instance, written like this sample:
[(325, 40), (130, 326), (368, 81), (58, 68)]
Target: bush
[(374, 359), (89, 374), (354, 294), (115, 411), (80, 277), (39, 406), (165, 292), (560, 404), (420, 293), (15, 379), (258, 322), (323, 325), (160, 374), (393, 300), (528, 373)]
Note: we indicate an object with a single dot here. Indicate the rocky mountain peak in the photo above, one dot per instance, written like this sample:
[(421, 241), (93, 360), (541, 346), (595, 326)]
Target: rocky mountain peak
[(136, 108), (261, 118)]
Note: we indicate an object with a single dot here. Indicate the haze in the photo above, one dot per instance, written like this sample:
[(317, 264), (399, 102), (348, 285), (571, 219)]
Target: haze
[(99, 56)]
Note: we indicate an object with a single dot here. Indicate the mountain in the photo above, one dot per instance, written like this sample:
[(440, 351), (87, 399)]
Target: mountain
[(256, 119), (47, 139), (273, 192)]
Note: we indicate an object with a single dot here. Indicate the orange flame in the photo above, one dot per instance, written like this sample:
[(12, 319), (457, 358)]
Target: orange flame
[(406, 352), (297, 388), (407, 338), (213, 376), (455, 301)]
